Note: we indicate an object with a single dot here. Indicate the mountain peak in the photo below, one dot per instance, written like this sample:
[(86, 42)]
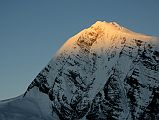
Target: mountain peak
[(104, 24), (115, 28), (104, 72)]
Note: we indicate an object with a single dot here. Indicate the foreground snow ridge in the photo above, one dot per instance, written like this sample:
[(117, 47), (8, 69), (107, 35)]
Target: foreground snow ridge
[(105, 72)]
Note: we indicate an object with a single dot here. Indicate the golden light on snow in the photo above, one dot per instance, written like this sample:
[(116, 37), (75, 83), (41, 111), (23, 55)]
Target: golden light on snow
[(104, 33)]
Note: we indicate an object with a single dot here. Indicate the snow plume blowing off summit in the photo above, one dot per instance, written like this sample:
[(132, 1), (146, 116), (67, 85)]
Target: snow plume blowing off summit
[(105, 72)]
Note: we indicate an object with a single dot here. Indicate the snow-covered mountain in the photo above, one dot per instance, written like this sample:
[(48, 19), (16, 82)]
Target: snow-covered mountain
[(105, 72)]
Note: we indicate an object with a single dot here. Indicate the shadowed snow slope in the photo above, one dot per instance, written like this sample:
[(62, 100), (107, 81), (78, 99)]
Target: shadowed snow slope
[(104, 72)]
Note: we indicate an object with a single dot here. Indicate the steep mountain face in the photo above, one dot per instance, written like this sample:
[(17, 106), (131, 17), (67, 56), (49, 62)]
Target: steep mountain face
[(105, 72)]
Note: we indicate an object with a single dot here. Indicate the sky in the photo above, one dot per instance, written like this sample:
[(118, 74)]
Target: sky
[(31, 31)]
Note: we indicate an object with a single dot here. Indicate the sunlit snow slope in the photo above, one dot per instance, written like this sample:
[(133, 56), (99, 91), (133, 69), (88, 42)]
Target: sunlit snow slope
[(105, 72)]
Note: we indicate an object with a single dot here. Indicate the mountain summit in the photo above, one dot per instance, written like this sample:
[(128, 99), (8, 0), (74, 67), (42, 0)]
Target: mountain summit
[(105, 72)]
